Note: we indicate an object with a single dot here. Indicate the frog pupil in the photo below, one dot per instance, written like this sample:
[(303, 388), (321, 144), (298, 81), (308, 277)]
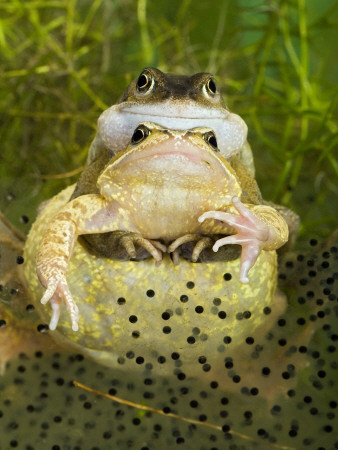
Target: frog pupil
[(211, 86), (211, 139), (143, 82), (139, 135)]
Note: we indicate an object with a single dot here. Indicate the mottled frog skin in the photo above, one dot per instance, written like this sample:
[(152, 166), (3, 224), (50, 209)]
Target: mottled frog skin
[(170, 187)]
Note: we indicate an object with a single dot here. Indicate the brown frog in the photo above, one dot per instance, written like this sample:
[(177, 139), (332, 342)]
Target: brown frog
[(173, 101)]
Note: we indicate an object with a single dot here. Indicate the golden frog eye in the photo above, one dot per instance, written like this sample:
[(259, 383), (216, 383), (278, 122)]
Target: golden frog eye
[(210, 139), (140, 134), (145, 82), (210, 87)]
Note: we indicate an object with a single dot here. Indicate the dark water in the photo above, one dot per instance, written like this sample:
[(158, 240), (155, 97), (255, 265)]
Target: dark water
[(287, 398)]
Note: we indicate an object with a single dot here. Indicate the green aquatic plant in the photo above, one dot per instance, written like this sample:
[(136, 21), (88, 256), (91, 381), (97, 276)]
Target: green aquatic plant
[(63, 62)]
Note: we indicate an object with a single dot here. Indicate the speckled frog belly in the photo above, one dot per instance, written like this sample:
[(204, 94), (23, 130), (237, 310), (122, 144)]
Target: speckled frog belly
[(154, 214), (141, 307)]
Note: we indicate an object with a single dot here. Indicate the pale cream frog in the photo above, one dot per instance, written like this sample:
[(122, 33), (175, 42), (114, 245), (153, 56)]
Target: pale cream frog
[(169, 186)]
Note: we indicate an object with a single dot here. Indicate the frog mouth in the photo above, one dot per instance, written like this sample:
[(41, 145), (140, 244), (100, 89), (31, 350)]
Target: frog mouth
[(169, 164), (171, 154), (116, 124)]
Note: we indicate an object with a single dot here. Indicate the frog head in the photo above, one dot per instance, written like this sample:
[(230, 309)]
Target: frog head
[(165, 173), (177, 102)]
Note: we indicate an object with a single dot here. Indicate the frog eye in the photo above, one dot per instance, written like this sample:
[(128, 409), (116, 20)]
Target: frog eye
[(140, 134), (210, 139), (145, 82), (210, 87)]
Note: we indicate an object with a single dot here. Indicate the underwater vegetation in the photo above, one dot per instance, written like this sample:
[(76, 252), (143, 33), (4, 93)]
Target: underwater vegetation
[(62, 64)]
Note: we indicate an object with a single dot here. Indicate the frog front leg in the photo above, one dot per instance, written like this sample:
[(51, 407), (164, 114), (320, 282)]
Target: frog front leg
[(53, 256), (84, 215), (258, 227)]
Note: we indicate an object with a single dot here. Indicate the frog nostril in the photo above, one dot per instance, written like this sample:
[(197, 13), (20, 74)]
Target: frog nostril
[(211, 86), (140, 134), (144, 82), (210, 138)]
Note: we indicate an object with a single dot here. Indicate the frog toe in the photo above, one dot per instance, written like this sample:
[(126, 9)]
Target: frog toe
[(154, 248), (56, 308), (183, 240), (71, 306), (202, 244), (50, 291), (57, 295), (192, 247), (176, 246)]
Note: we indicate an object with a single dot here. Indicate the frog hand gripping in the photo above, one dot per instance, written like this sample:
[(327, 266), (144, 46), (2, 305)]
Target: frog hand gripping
[(258, 228), (87, 214)]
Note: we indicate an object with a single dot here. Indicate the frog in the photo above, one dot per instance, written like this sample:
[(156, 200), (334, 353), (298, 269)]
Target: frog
[(122, 245), (174, 101), (170, 187)]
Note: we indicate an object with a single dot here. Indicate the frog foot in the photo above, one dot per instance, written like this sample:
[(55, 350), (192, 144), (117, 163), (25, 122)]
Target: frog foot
[(252, 234), (202, 242), (155, 248), (58, 291)]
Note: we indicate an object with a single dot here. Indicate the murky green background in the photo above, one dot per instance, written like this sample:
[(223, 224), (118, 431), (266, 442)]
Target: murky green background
[(61, 64)]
